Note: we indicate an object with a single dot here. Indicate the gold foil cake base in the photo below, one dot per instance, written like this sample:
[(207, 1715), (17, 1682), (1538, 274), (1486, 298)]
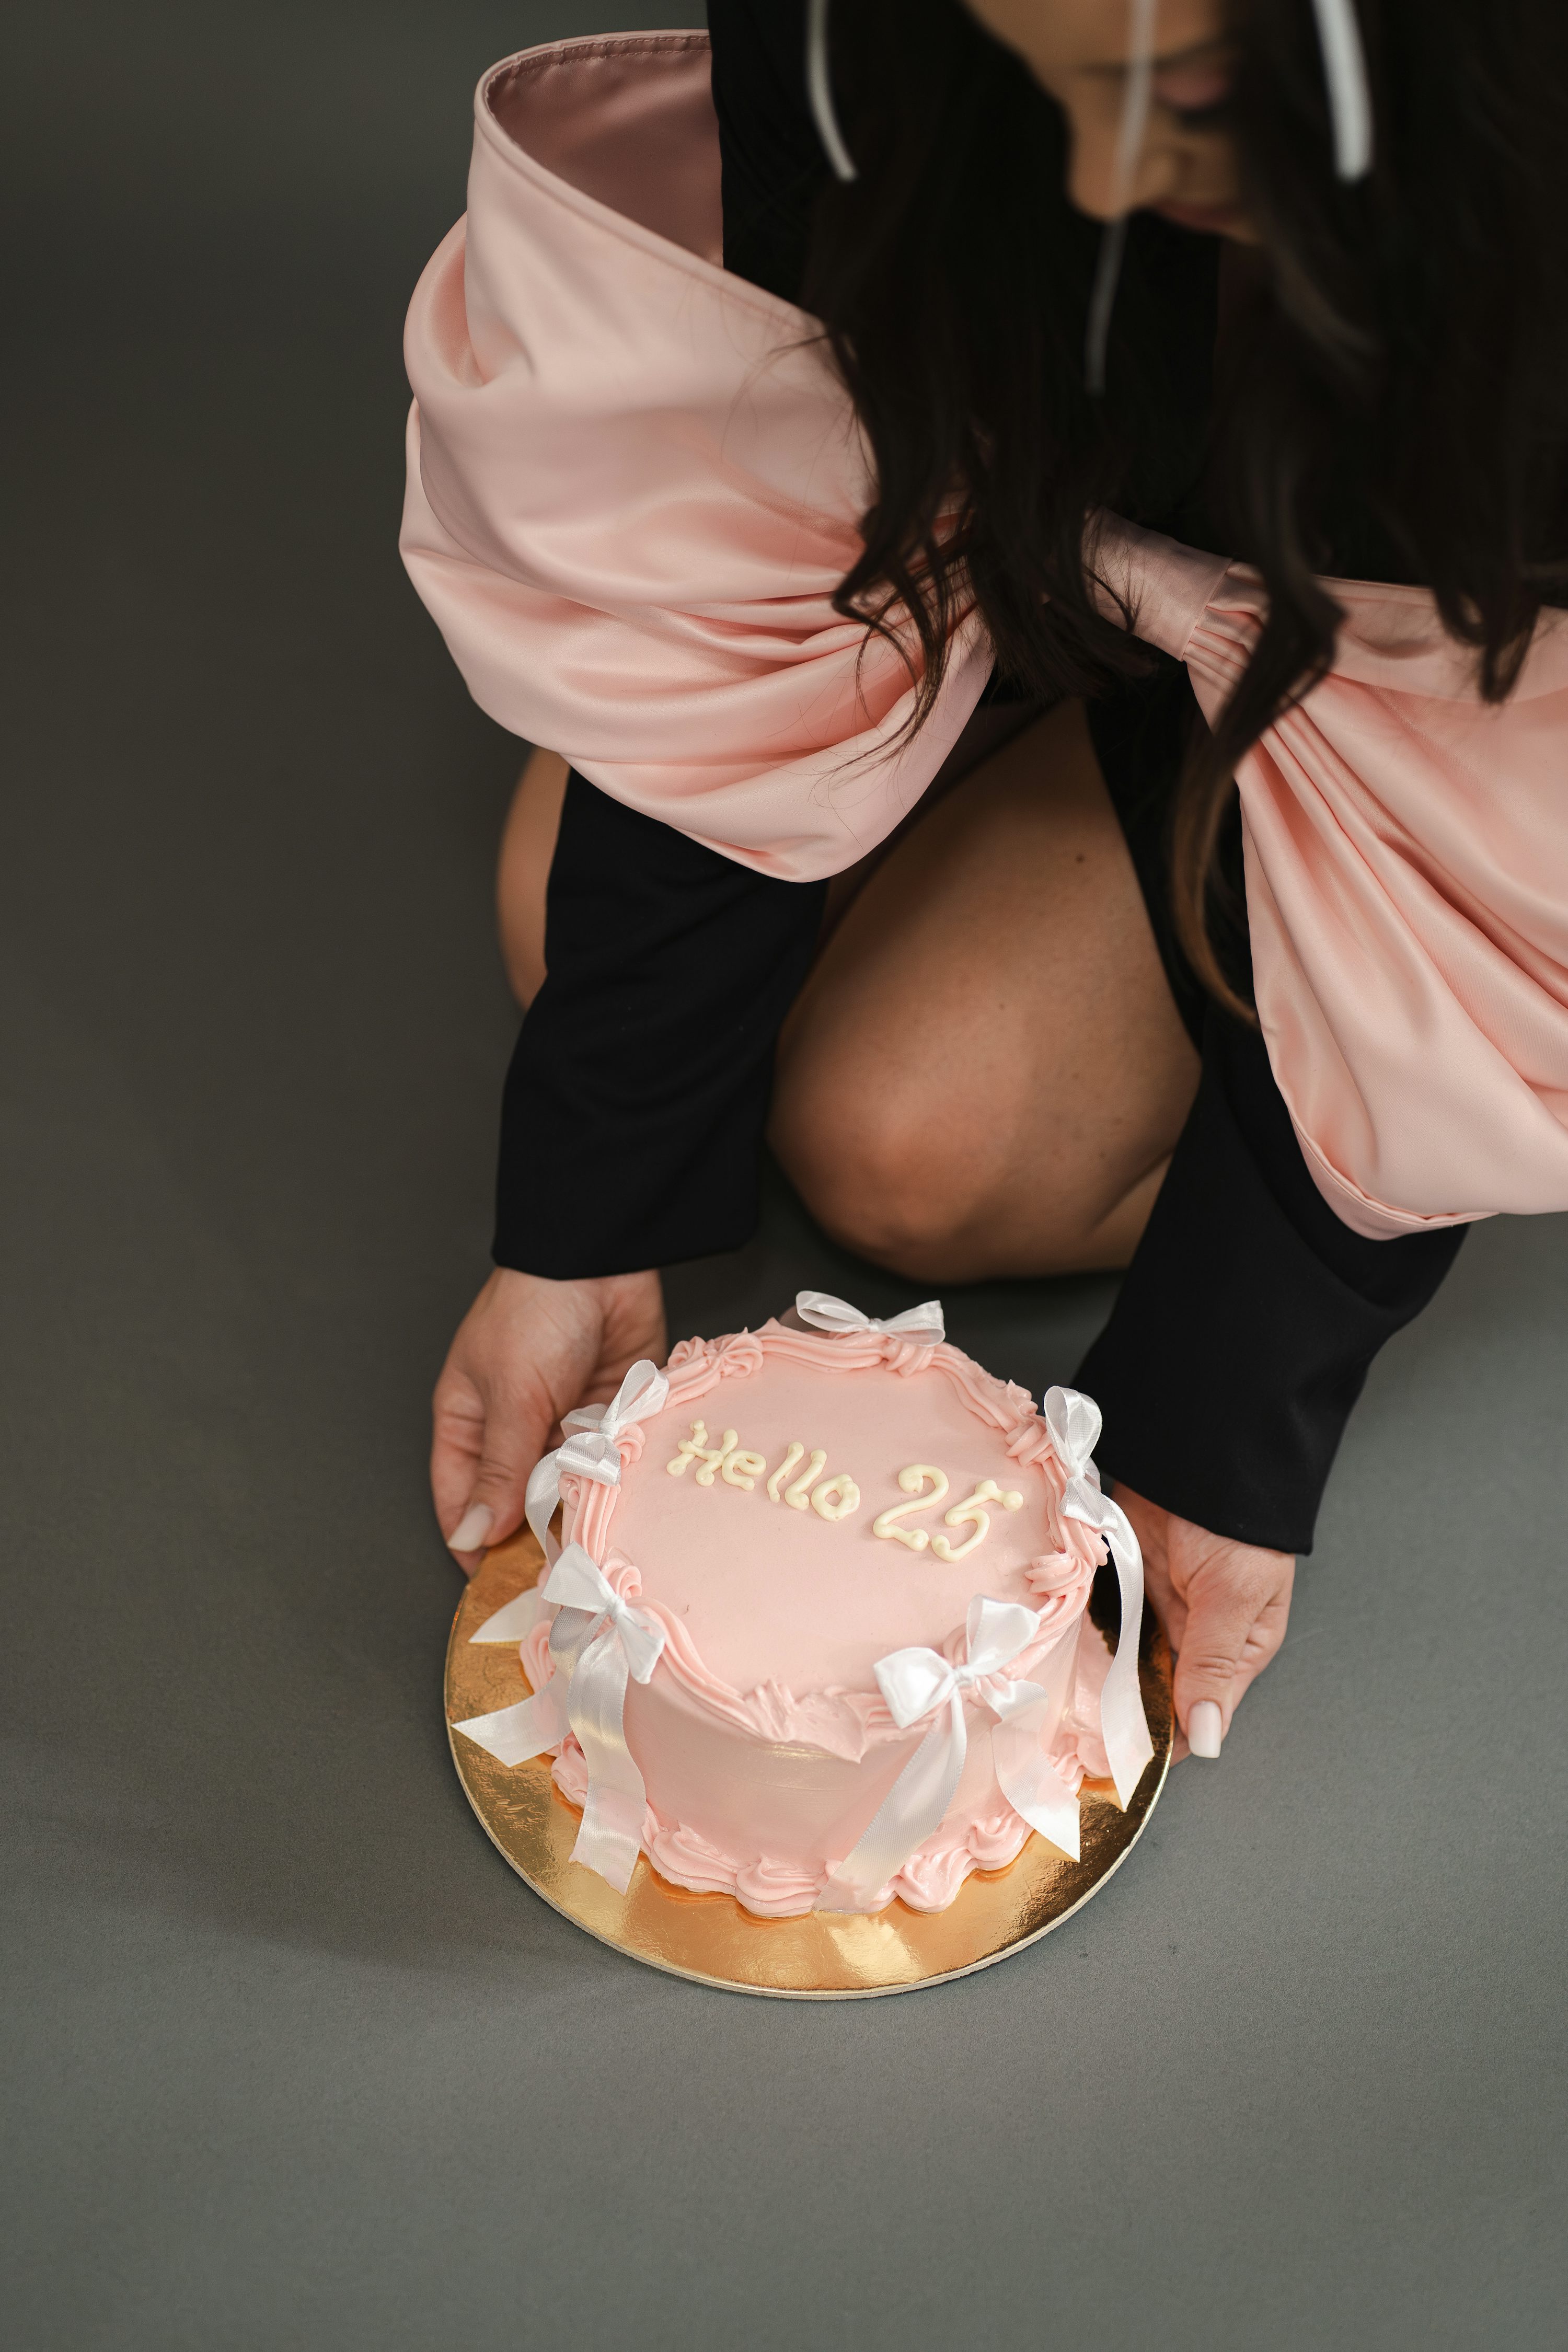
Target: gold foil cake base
[(709, 1937)]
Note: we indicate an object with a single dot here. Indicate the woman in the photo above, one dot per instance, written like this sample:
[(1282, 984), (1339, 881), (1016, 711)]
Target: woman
[(1028, 1042)]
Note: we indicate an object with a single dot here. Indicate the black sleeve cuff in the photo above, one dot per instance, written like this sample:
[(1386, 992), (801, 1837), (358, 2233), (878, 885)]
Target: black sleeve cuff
[(1249, 1318), (632, 1119)]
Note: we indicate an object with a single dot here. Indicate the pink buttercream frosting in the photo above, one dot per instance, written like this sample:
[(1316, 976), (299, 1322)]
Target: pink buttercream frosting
[(763, 1739), (775, 1889)]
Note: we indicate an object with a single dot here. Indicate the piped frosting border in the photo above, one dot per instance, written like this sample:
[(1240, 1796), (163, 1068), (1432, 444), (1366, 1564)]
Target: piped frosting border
[(844, 1723)]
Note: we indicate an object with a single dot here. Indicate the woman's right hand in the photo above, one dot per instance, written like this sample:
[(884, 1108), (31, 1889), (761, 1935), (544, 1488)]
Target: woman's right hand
[(1225, 1606), (527, 1351)]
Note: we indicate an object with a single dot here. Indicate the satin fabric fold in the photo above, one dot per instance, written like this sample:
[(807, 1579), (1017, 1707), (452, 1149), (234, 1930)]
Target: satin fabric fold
[(916, 1682), (514, 1623), (619, 1643), (634, 484), (589, 1448), (1123, 1727), (598, 1643), (1074, 1423), (826, 1313), (1406, 855)]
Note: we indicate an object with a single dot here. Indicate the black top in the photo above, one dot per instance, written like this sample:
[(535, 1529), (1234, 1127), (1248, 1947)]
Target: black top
[(1250, 1314)]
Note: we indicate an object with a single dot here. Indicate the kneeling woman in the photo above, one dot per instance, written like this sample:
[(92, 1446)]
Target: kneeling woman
[(1063, 897)]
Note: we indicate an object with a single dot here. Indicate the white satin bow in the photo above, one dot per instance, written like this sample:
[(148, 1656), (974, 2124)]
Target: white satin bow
[(514, 1621), (1075, 1423), (923, 1324), (916, 1682), (1122, 1723), (589, 1448), (597, 1642)]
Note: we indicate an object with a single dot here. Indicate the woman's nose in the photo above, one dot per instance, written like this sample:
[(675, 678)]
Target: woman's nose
[(1094, 179)]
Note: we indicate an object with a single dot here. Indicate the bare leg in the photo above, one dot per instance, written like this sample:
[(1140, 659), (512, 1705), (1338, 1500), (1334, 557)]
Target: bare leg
[(985, 1072), (526, 848)]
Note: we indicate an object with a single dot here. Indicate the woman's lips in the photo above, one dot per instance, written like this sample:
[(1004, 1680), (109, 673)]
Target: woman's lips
[(1213, 220)]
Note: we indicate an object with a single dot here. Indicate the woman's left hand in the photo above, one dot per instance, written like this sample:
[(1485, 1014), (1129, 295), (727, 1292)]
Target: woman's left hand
[(1225, 1605)]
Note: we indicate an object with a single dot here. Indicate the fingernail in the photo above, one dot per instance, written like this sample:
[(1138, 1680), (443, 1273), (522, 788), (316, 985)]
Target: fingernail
[(475, 1526), (1205, 1731)]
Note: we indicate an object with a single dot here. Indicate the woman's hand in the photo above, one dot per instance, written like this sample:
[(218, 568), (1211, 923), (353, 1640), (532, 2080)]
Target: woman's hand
[(1225, 1606), (527, 1351)]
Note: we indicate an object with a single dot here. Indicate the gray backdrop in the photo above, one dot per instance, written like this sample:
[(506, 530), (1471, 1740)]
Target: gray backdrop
[(294, 2060)]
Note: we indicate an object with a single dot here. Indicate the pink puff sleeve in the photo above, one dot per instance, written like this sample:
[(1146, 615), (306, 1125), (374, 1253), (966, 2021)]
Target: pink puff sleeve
[(635, 482)]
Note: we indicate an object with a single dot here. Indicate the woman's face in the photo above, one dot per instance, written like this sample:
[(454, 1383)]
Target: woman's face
[(1079, 50)]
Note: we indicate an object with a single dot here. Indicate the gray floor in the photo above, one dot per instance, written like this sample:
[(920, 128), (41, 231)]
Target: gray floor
[(293, 2060)]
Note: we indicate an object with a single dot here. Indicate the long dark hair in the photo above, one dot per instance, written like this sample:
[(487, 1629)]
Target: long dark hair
[(1402, 362)]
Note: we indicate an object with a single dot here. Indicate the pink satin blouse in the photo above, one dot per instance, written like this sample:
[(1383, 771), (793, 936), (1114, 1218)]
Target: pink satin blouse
[(634, 484)]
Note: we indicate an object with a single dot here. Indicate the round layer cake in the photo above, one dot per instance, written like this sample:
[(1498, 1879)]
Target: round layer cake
[(801, 1506)]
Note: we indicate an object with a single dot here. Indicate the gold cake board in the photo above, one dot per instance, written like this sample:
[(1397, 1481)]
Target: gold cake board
[(710, 1938)]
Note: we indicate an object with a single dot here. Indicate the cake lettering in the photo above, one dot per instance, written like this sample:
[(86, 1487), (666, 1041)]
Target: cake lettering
[(796, 1454), (838, 1497), (912, 1480), (799, 1495), (835, 1497), (729, 1458), (696, 1448), (969, 1513), (832, 1499), (691, 1449), (716, 1458)]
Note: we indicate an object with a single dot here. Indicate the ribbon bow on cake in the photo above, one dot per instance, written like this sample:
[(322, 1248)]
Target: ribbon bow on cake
[(597, 1643), (1122, 1725), (1075, 1423), (923, 1324), (589, 1449), (917, 1683)]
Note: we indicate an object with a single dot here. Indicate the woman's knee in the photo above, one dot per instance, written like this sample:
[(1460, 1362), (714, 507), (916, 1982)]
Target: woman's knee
[(922, 1197), (883, 1181)]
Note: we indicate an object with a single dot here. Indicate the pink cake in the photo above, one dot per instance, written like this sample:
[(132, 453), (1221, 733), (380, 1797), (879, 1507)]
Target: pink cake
[(748, 1547)]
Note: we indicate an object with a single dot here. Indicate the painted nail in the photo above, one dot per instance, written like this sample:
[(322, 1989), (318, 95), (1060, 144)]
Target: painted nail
[(1205, 1730), (475, 1526)]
